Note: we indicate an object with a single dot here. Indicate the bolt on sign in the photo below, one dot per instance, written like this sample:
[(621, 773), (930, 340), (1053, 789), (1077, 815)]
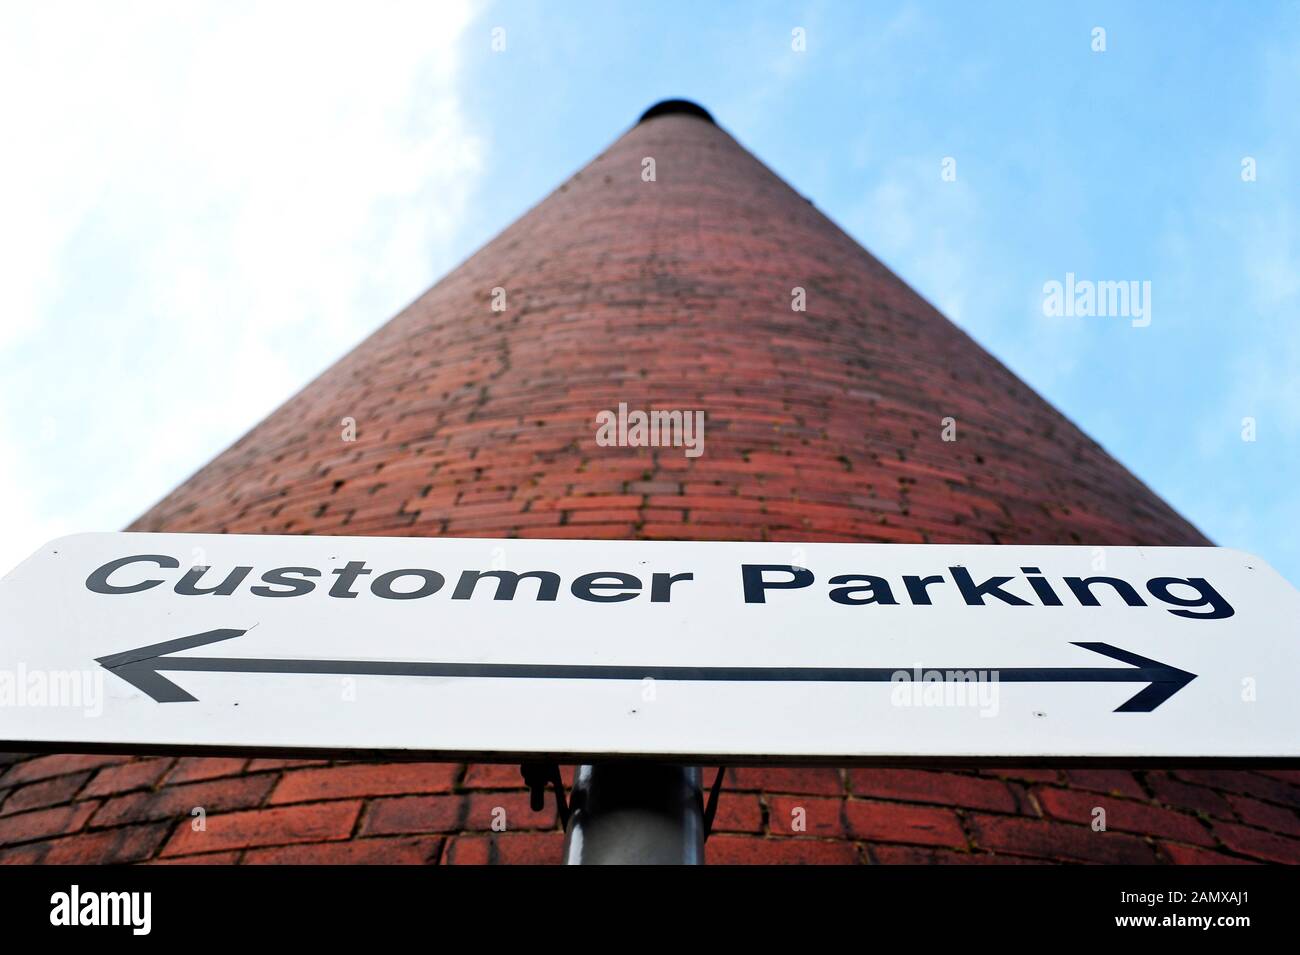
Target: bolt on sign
[(759, 652)]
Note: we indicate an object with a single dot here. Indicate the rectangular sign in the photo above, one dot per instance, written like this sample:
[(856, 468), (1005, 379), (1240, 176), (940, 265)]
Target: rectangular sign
[(731, 652)]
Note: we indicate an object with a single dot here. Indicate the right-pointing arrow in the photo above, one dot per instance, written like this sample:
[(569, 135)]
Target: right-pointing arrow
[(1165, 680), (140, 668)]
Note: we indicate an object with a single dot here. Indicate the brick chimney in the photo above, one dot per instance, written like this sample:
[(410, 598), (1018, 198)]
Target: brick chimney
[(666, 274)]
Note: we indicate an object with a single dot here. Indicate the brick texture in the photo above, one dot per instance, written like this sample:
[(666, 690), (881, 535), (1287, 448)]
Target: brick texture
[(822, 425)]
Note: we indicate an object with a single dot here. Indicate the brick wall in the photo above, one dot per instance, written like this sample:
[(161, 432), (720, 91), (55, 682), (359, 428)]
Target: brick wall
[(821, 425)]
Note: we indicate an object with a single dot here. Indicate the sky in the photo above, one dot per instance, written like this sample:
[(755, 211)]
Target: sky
[(204, 205)]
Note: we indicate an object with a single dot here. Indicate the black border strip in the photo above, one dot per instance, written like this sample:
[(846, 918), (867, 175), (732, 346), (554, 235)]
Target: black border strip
[(902, 761)]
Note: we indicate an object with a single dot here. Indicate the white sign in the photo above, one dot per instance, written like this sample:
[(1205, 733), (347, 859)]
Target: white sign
[(697, 651)]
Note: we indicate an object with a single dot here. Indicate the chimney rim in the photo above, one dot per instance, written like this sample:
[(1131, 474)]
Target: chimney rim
[(677, 107)]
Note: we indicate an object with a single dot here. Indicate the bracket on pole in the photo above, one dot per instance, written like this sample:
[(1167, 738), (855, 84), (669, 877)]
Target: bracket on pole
[(536, 776), (715, 792), (629, 812)]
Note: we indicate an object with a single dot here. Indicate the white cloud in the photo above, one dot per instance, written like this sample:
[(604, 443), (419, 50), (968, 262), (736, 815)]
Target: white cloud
[(204, 205)]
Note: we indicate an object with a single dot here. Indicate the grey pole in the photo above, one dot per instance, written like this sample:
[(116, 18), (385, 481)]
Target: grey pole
[(635, 814)]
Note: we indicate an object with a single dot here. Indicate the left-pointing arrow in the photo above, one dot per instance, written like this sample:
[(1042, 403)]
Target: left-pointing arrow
[(140, 668)]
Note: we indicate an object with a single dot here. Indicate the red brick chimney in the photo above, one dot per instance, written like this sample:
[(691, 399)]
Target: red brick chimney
[(663, 275)]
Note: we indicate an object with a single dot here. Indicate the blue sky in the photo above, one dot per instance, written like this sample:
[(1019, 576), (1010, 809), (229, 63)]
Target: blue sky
[(211, 204)]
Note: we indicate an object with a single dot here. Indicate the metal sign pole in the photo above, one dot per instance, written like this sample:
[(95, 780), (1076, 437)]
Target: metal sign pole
[(635, 814)]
